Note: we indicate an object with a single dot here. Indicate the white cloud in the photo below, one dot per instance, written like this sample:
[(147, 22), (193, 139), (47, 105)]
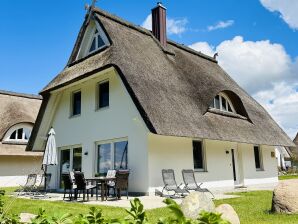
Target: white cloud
[(287, 8), (266, 71), (174, 26), (221, 25)]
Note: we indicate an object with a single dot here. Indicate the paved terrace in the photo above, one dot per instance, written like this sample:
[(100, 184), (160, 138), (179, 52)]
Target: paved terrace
[(151, 202)]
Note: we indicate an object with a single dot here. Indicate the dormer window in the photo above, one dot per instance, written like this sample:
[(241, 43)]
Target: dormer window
[(18, 134), (222, 102), (94, 40)]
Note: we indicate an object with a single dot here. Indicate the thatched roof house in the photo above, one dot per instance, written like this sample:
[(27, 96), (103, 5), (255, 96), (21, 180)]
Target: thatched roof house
[(176, 107), (172, 86)]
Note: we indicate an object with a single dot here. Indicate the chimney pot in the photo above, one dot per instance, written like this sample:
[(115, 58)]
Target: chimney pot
[(159, 28)]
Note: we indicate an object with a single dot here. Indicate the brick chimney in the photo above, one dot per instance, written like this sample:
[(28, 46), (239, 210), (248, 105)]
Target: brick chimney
[(159, 28)]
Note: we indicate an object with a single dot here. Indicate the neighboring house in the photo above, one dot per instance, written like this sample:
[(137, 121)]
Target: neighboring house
[(130, 98), (17, 113), (282, 155), (294, 157)]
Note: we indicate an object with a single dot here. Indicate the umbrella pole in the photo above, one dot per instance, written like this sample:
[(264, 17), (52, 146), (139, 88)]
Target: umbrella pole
[(45, 179)]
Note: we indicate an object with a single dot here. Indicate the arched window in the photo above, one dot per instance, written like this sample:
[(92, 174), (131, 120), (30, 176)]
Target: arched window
[(18, 133), (223, 103)]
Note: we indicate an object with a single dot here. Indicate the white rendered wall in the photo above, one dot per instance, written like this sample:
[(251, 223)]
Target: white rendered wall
[(120, 120), (15, 169), (253, 176)]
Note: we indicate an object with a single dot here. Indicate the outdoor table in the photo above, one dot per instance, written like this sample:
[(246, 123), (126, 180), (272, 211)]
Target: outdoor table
[(103, 181)]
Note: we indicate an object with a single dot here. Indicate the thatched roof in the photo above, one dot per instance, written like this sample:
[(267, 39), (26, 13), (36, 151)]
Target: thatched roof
[(294, 150), (173, 87), (16, 108)]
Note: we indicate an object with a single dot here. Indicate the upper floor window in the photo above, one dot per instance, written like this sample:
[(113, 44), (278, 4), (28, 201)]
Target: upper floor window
[(222, 102), (18, 133), (76, 103), (97, 42), (103, 94), (94, 39)]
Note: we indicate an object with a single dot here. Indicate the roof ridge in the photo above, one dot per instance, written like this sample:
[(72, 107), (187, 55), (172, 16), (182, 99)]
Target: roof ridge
[(24, 95), (149, 33)]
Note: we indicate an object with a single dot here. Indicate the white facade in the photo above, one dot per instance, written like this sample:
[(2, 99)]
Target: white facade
[(148, 153)]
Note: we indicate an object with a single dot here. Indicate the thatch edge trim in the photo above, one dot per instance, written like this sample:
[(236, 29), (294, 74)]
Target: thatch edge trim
[(24, 95)]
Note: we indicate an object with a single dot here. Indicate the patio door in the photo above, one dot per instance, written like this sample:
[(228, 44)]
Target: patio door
[(70, 160)]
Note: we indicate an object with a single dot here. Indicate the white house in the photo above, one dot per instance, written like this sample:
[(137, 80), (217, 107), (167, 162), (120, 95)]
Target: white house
[(130, 98), (17, 114)]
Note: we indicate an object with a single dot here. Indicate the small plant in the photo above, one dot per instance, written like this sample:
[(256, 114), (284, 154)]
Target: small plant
[(137, 212)]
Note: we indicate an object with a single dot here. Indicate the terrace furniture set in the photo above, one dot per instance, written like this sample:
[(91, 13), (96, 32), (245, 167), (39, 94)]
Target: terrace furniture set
[(170, 184), (74, 184)]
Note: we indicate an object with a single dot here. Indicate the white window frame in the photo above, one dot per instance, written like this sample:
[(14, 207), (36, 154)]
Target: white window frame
[(88, 38), (260, 157), (98, 96), (16, 128), (228, 101), (204, 169), (112, 143)]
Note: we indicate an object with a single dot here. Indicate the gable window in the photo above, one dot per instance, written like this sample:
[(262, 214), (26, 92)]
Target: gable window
[(111, 155), (258, 158), (103, 95), (221, 102), (18, 133), (97, 42), (198, 156), (76, 103)]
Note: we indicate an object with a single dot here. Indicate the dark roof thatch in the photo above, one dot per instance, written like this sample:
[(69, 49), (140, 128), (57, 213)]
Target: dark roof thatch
[(16, 108), (173, 87), (294, 150)]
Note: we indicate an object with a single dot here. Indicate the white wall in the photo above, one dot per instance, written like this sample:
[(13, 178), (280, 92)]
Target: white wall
[(14, 169), (253, 176), (167, 152), (120, 120)]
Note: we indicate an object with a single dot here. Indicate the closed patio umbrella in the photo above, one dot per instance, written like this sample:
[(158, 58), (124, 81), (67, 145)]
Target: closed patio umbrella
[(50, 154)]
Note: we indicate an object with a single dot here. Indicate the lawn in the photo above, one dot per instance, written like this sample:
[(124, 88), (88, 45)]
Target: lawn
[(287, 177), (252, 208)]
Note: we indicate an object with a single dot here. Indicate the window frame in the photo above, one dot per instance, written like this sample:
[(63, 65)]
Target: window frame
[(72, 104), (204, 158), (15, 128), (98, 94), (228, 102), (261, 168), (112, 148)]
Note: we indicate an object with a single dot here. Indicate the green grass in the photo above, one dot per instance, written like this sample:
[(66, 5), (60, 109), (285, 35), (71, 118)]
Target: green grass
[(252, 208), (287, 177)]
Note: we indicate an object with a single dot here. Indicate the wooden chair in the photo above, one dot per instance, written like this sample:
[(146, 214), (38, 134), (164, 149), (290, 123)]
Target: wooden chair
[(121, 182), (82, 185)]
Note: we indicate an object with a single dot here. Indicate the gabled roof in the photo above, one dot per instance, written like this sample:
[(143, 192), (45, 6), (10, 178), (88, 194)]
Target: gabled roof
[(173, 87)]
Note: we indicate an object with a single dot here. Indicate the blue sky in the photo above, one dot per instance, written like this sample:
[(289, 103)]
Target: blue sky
[(256, 41)]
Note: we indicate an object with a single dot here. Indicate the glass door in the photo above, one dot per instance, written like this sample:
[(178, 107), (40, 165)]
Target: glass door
[(70, 160)]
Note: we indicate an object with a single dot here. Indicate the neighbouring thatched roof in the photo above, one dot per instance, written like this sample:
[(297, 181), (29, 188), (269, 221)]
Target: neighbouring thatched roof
[(16, 108), (173, 87), (294, 150)]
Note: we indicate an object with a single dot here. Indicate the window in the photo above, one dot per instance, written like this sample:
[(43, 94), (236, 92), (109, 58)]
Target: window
[(76, 103), (103, 95), (20, 134), (198, 155), (221, 102), (258, 158), (97, 42), (111, 156)]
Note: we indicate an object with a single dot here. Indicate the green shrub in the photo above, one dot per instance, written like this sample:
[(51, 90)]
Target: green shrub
[(136, 215)]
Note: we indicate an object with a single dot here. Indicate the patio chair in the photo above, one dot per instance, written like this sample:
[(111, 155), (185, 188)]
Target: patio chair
[(68, 185), (170, 183), (191, 183), (82, 185), (43, 184), (111, 184), (121, 182), (29, 185)]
